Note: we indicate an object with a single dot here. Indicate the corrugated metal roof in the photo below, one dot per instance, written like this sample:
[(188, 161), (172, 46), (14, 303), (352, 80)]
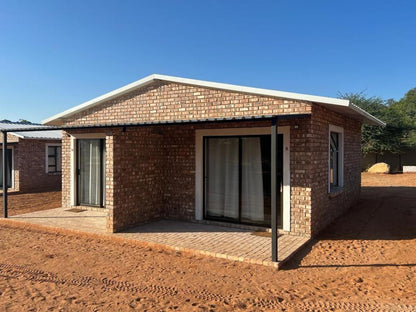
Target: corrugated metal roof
[(161, 122), (44, 135), (41, 134), (16, 125)]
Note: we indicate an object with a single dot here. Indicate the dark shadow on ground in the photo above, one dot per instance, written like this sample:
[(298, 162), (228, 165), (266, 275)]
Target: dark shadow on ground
[(382, 213), (26, 202)]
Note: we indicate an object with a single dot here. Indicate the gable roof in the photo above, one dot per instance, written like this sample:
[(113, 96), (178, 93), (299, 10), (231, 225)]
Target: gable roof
[(41, 134), (339, 105)]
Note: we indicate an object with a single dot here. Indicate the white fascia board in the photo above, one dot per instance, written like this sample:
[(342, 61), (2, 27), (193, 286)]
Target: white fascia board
[(250, 90), (17, 135), (374, 120), (213, 85)]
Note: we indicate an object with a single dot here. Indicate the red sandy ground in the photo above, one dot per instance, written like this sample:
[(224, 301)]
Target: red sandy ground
[(365, 261)]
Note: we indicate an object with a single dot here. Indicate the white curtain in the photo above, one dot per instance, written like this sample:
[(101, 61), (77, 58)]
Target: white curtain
[(222, 173), (90, 171), (252, 201)]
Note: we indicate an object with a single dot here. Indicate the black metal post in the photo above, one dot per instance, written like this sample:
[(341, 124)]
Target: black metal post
[(274, 190), (5, 170)]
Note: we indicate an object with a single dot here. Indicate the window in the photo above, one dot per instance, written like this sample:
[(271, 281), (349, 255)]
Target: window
[(54, 158), (336, 159)]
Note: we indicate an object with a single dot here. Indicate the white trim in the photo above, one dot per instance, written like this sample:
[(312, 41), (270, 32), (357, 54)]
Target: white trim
[(21, 136), (73, 167), (286, 176), (359, 110), (340, 131), (17, 135), (73, 154), (55, 120), (47, 156), (199, 191), (88, 135)]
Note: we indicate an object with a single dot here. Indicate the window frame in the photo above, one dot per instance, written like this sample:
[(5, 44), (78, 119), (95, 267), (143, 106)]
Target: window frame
[(239, 219), (55, 145), (201, 133), (102, 173), (340, 132)]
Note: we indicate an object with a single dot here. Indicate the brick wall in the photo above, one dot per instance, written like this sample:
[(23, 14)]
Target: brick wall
[(301, 180), (67, 197), (150, 171), (138, 159), (169, 101), (326, 207), (66, 169), (29, 165), (30, 161)]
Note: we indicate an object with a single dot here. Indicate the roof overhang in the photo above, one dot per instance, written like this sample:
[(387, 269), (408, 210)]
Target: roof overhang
[(166, 122), (341, 105)]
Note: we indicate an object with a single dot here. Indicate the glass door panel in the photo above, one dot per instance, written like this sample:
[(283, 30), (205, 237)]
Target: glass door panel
[(252, 192), (90, 172), (237, 176), (221, 180)]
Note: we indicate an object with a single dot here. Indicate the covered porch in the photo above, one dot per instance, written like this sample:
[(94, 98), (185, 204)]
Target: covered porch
[(224, 242), (145, 172)]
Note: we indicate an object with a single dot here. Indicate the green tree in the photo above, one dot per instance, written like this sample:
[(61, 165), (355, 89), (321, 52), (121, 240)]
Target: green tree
[(377, 139), (25, 122), (21, 121), (406, 110)]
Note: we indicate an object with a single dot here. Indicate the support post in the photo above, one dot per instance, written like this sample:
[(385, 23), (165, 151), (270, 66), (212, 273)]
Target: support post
[(275, 189), (5, 170)]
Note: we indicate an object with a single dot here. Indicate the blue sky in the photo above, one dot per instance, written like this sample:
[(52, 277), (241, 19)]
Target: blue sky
[(57, 54)]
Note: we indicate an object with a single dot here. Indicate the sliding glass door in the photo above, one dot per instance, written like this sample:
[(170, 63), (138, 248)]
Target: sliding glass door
[(9, 167), (91, 172), (237, 178)]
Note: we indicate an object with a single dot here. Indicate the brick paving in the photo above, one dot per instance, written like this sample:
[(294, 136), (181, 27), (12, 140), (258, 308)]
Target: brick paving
[(195, 238), (85, 221)]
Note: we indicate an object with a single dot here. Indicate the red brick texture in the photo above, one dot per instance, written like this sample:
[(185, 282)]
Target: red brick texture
[(29, 165), (150, 170), (169, 101), (326, 207)]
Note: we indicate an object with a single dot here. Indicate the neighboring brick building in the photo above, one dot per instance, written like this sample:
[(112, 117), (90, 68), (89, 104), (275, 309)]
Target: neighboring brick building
[(34, 159), (167, 147)]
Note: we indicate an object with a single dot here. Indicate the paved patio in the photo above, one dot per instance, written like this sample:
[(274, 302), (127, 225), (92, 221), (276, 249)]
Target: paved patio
[(212, 240), (85, 221)]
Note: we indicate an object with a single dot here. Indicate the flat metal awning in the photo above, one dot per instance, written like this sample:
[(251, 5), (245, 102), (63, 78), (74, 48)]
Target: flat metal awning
[(159, 122)]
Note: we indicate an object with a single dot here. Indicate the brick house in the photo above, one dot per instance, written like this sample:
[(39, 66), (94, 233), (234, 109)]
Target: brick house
[(34, 159), (168, 147)]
